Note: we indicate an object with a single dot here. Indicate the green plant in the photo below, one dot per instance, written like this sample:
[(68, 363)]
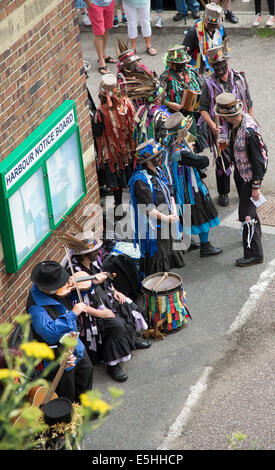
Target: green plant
[(236, 440), (31, 432), (265, 32)]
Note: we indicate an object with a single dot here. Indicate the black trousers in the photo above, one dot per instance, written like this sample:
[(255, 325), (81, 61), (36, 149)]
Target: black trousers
[(77, 380), (222, 179), (247, 208)]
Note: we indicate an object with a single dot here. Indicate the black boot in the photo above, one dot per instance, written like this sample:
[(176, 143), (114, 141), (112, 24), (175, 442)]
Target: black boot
[(117, 373), (223, 200), (209, 250)]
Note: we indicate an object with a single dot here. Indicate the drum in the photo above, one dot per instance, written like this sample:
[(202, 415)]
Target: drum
[(164, 297), (190, 100)]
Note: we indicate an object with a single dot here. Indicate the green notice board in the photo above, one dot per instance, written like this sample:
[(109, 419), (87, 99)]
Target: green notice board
[(41, 182)]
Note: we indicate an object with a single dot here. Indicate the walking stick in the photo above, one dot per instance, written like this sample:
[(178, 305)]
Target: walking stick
[(217, 143)]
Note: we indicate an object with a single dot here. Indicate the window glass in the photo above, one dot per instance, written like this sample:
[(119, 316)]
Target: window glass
[(64, 175), (29, 214)]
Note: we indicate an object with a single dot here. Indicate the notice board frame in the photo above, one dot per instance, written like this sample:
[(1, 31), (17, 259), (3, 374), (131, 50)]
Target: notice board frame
[(27, 159)]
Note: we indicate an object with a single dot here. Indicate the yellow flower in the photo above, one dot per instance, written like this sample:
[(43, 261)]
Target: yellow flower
[(6, 374), (95, 404), (37, 350)]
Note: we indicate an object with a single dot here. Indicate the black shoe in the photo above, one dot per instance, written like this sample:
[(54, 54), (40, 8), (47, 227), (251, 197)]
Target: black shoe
[(142, 343), (223, 200), (194, 245), (117, 373), (195, 15), (179, 16), (209, 250), (229, 15), (245, 262)]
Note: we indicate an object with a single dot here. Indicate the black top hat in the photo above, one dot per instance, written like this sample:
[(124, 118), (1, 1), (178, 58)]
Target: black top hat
[(58, 410), (49, 275)]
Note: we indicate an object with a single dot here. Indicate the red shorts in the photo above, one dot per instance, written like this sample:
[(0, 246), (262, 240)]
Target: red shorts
[(101, 18)]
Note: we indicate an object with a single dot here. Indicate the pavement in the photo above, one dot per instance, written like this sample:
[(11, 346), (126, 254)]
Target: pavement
[(244, 10), (211, 386)]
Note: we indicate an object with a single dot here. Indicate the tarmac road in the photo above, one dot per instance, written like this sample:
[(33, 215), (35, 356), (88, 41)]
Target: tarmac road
[(204, 383)]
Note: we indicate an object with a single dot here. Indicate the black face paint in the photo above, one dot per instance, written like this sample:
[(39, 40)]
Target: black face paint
[(220, 68), (156, 161), (92, 256), (180, 67), (211, 28)]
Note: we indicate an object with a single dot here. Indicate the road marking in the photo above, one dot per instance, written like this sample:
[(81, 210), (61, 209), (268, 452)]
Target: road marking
[(194, 396), (256, 292), (197, 390)]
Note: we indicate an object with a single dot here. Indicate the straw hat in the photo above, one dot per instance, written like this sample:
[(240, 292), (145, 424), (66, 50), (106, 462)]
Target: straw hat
[(227, 105)]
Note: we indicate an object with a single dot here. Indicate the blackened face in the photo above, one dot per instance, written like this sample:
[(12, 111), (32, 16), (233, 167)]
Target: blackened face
[(92, 256), (156, 161), (210, 27), (179, 67), (220, 68)]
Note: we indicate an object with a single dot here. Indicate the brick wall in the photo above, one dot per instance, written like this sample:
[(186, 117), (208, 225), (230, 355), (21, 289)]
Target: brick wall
[(41, 67)]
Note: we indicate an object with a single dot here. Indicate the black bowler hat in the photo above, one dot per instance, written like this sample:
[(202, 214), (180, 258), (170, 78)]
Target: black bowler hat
[(58, 410), (49, 275)]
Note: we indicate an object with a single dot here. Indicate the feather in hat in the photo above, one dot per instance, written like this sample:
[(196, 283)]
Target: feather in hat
[(71, 240)]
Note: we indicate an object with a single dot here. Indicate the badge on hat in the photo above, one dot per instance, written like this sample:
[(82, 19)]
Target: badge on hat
[(178, 121), (227, 105), (219, 53), (213, 13), (178, 55)]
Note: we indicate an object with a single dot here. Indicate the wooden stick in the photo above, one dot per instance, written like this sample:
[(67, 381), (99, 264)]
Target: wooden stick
[(217, 141), (160, 281)]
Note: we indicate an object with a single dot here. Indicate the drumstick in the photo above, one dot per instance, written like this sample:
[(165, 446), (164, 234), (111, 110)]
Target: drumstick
[(160, 281)]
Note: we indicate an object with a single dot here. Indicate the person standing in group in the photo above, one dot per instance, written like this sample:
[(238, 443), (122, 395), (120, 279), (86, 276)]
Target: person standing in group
[(135, 9), (249, 157), (258, 13), (118, 4), (101, 14), (80, 4), (223, 79), (114, 126), (155, 220), (181, 79), (186, 173), (205, 33), (159, 9), (228, 13), (150, 117), (182, 7)]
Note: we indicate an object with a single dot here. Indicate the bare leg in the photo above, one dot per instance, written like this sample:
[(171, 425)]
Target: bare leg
[(100, 44), (149, 48), (134, 43)]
